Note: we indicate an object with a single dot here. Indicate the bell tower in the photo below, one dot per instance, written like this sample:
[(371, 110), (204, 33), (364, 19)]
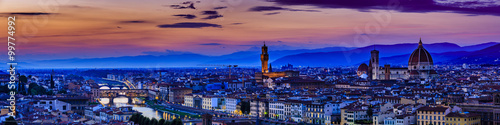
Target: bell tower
[(374, 64), (264, 58)]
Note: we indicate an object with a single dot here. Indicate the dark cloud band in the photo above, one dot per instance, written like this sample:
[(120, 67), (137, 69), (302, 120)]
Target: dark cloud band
[(210, 44), (187, 16), (416, 6), (28, 13), (189, 25)]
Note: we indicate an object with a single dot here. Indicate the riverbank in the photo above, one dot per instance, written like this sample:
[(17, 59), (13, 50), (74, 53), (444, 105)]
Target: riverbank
[(151, 104)]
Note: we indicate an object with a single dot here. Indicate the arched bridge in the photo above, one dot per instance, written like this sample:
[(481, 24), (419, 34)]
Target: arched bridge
[(114, 86), (129, 93)]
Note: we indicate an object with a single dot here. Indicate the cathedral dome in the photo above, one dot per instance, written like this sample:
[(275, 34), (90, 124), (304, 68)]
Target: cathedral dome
[(420, 56), (363, 67)]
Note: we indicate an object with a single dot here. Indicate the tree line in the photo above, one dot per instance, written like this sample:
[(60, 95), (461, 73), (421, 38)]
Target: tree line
[(141, 120)]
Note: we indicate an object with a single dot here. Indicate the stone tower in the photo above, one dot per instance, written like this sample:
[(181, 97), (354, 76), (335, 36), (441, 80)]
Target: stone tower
[(374, 64), (264, 58)]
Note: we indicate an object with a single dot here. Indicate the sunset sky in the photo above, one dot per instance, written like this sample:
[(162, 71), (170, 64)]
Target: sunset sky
[(60, 29)]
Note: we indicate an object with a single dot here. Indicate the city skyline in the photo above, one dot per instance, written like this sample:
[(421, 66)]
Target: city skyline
[(107, 29), (250, 62)]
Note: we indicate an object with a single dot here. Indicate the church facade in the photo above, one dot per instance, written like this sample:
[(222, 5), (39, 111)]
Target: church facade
[(420, 66)]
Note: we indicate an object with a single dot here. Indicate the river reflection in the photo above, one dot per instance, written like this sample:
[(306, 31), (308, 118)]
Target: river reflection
[(146, 111), (123, 101)]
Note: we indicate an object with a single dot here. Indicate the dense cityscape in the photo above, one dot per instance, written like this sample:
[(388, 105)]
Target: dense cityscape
[(250, 62), (420, 93)]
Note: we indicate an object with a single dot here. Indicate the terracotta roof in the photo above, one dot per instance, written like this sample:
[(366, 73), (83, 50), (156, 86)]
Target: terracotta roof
[(439, 109), (363, 67), (462, 115)]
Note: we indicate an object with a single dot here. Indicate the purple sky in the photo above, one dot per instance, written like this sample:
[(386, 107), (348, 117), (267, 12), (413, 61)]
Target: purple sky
[(89, 29)]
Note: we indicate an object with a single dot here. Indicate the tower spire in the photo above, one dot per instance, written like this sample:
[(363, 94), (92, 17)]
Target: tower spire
[(420, 43)]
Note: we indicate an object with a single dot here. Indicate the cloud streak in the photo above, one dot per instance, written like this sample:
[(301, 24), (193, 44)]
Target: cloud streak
[(28, 13), (210, 44), (416, 6), (189, 25), (134, 21), (187, 16), (275, 8), (209, 12), (273, 13), (217, 8), (212, 17), (166, 52)]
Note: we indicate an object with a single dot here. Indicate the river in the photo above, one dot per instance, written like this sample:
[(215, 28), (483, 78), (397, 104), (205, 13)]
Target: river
[(146, 111), (123, 101)]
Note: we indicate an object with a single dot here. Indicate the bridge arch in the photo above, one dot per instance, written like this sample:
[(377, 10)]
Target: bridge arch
[(113, 87)]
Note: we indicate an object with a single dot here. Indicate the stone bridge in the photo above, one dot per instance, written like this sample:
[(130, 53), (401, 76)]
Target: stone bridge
[(114, 86), (129, 93)]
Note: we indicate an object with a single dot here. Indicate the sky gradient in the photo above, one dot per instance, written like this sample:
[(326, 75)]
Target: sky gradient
[(61, 29)]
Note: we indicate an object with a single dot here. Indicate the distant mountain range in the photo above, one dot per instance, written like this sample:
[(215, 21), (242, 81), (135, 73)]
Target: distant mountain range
[(248, 58), (397, 54)]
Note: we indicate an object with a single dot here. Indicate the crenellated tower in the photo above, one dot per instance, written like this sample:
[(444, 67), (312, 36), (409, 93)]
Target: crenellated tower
[(264, 58)]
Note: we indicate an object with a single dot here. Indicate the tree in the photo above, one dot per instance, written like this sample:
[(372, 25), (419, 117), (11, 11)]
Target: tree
[(144, 121), (4, 89), (167, 123), (139, 119), (161, 122), (22, 82), (245, 107), (52, 80), (369, 112), (62, 91), (50, 92), (153, 122), (134, 117), (33, 92), (35, 89), (10, 121), (337, 120), (177, 121)]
